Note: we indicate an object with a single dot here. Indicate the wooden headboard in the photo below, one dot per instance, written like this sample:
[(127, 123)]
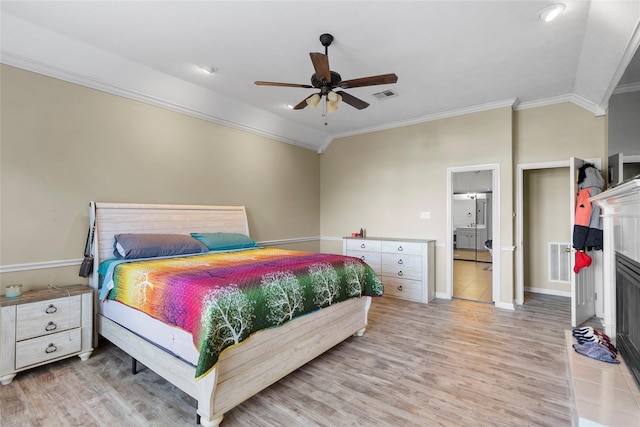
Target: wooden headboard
[(117, 218)]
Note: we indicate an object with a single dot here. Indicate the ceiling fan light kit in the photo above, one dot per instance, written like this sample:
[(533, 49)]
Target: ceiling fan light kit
[(326, 81)]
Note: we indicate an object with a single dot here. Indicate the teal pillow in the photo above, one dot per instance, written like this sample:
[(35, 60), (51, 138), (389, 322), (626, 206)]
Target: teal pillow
[(225, 241)]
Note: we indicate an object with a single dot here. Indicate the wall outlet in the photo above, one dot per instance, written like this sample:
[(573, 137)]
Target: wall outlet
[(425, 215)]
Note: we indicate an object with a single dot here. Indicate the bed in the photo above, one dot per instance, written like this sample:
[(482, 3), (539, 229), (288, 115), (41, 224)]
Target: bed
[(239, 370)]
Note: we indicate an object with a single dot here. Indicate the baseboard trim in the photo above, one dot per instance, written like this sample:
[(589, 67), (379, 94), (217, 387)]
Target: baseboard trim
[(547, 292), (505, 305)]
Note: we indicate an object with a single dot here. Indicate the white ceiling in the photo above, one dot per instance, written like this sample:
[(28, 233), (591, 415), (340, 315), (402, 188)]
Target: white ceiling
[(451, 57)]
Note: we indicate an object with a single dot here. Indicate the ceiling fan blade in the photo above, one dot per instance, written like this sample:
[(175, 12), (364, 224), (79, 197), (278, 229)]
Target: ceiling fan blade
[(302, 104), (283, 84), (382, 79), (352, 100), (321, 65)]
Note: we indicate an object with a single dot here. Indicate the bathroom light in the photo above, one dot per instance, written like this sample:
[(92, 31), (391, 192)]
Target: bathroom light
[(550, 13)]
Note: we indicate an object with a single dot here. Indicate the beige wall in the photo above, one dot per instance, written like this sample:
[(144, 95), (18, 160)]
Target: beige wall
[(549, 134), (382, 180), (63, 145), (544, 223), (557, 132)]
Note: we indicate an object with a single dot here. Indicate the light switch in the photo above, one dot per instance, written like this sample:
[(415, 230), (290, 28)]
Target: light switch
[(425, 215)]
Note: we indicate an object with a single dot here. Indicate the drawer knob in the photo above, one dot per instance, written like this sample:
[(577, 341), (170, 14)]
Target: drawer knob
[(51, 309), (400, 288), (50, 327), (400, 273), (362, 246), (400, 249), (400, 261), (51, 348)]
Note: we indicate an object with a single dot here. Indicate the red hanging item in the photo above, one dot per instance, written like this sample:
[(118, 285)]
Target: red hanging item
[(582, 261)]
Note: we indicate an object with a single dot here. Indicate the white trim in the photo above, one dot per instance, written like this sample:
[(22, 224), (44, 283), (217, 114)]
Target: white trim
[(548, 292), (505, 306), (290, 241), (12, 268), (570, 97), (432, 117), (631, 87), (495, 183), (627, 56)]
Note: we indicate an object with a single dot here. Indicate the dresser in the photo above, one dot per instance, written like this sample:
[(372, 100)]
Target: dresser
[(43, 326), (405, 266)]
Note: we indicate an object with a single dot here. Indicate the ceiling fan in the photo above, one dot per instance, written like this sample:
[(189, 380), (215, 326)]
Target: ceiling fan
[(327, 80)]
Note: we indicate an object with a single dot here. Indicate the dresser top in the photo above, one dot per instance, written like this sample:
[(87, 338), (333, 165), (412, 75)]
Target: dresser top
[(390, 239), (44, 294)]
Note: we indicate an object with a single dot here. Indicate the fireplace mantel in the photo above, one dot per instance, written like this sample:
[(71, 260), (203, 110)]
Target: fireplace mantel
[(621, 230)]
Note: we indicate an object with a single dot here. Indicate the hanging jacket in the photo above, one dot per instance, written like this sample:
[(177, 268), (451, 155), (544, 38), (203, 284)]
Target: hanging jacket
[(587, 230)]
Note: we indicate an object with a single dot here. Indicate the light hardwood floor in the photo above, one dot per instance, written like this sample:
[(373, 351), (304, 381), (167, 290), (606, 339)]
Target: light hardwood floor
[(449, 363)]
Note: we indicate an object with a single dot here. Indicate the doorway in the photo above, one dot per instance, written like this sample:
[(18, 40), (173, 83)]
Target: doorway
[(473, 211), (526, 247)]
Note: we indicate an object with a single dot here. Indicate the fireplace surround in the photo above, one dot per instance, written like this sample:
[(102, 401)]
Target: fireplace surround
[(621, 269)]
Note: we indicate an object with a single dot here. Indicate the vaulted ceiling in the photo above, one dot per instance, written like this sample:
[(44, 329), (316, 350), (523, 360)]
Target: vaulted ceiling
[(450, 57)]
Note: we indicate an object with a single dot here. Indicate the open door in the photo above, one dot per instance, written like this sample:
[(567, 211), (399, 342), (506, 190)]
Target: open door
[(583, 284)]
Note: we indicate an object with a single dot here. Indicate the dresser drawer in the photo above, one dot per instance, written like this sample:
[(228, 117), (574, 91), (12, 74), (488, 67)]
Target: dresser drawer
[(402, 288), (47, 317), (41, 349), (402, 247), (400, 272), (371, 258), (402, 260), (363, 245)]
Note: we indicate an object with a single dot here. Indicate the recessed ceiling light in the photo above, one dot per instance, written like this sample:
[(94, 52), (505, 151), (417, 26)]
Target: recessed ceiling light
[(550, 13), (207, 68)]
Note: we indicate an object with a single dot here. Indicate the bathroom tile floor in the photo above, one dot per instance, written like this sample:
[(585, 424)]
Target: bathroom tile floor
[(605, 394), (472, 280)]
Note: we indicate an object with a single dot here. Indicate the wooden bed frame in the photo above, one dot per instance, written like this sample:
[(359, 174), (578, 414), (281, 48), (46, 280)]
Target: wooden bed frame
[(243, 370)]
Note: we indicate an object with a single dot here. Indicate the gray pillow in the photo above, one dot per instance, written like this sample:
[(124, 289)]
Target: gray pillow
[(130, 246)]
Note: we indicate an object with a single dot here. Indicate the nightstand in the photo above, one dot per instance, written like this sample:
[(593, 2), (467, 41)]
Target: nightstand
[(43, 326)]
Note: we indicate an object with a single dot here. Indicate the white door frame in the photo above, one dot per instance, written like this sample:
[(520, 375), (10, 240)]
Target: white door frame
[(495, 212), (520, 213)]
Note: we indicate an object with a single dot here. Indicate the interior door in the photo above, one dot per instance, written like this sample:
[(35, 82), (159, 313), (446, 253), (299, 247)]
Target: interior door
[(583, 284)]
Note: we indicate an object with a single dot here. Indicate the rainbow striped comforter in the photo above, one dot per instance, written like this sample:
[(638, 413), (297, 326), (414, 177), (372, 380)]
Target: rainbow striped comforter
[(222, 298)]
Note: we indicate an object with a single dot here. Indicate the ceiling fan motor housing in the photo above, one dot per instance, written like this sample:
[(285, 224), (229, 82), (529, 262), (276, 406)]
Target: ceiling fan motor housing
[(335, 81)]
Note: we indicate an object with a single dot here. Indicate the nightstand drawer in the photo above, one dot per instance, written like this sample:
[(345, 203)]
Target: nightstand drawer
[(38, 350), (47, 317)]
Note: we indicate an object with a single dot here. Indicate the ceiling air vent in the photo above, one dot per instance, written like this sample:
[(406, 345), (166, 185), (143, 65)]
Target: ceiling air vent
[(385, 94)]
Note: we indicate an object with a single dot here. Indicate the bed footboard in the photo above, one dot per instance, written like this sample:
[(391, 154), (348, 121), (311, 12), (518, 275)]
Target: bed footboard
[(245, 370)]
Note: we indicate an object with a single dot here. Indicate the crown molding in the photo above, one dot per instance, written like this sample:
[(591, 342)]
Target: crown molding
[(631, 87), (432, 117)]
